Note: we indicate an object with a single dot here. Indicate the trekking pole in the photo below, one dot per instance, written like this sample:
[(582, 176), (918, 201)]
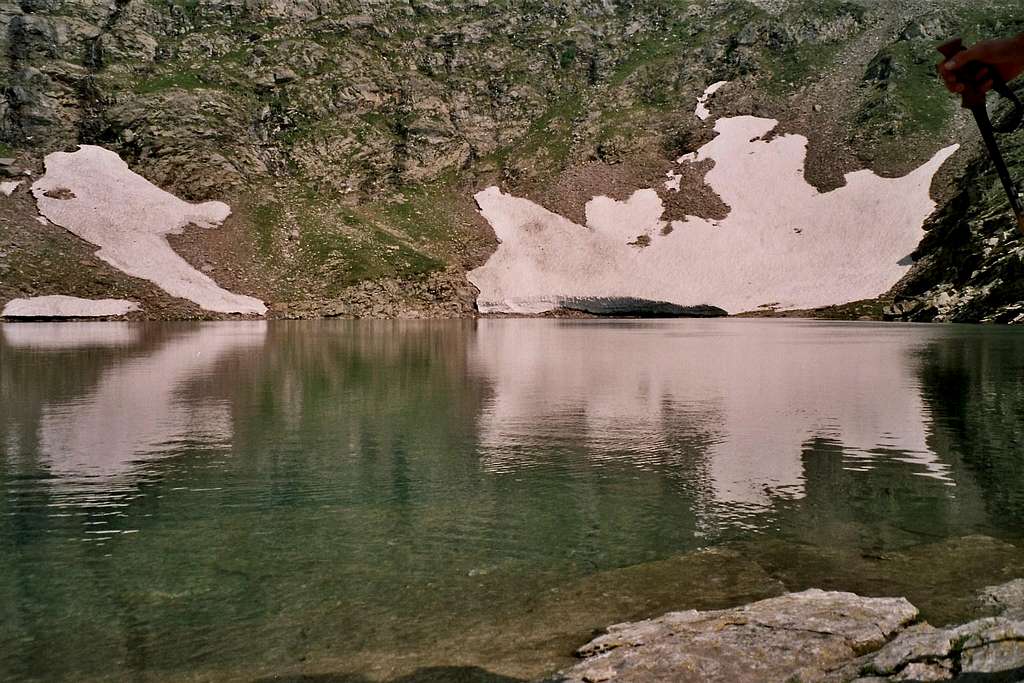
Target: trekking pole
[(975, 101)]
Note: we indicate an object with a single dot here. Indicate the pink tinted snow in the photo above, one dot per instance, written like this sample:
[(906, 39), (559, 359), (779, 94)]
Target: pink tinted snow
[(93, 194), (59, 306), (784, 243)]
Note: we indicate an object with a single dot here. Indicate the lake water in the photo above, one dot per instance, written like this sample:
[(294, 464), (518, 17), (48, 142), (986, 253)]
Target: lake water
[(469, 500)]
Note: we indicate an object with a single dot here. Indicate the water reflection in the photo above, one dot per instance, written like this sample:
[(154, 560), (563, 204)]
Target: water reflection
[(136, 409), (740, 400), (250, 491), (83, 335)]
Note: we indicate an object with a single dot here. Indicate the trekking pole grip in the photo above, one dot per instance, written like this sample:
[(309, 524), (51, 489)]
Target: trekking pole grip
[(971, 98)]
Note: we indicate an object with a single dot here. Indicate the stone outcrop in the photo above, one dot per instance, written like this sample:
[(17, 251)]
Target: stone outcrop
[(800, 636), (925, 653), (812, 636), (970, 265)]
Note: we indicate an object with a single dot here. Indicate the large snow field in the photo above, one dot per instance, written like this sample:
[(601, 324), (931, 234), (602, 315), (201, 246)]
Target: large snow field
[(92, 193), (783, 245)]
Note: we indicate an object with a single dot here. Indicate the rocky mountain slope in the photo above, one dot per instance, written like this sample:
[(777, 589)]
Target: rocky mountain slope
[(349, 136)]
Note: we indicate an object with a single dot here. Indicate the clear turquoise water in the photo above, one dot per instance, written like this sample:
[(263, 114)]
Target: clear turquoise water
[(469, 500)]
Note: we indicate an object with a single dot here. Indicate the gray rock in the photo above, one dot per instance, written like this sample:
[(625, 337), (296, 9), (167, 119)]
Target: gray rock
[(926, 671), (800, 636), (357, 21), (639, 308), (284, 75), (1003, 598), (992, 645), (922, 642), (924, 653)]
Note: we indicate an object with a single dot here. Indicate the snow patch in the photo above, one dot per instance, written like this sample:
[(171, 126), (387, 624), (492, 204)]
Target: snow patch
[(784, 244), (638, 215), (673, 180), (7, 188), (59, 306), (702, 112), (93, 193)]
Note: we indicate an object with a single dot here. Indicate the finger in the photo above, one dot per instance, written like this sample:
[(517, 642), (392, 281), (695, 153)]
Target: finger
[(954, 86), (979, 79)]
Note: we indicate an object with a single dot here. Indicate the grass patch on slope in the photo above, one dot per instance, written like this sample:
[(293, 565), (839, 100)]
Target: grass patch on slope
[(266, 222), (183, 80), (317, 245), (907, 96)]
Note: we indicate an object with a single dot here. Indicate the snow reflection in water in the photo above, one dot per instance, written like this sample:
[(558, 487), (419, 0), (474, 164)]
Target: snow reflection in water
[(134, 411), (750, 403)]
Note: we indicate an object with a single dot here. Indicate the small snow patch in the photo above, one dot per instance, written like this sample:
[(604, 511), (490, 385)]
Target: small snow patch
[(59, 306), (94, 194), (673, 180), (8, 188), (702, 112)]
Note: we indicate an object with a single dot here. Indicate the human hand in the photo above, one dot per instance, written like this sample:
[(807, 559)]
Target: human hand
[(1004, 58)]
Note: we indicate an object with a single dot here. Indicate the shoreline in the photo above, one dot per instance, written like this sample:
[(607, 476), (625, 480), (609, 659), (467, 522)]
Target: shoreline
[(862, 311)]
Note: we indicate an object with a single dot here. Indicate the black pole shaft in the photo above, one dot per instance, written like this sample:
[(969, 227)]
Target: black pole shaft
[(987, 134)]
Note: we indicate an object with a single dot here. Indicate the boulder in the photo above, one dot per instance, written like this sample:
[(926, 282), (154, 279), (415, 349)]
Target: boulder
[(813, 636), (799, 636)]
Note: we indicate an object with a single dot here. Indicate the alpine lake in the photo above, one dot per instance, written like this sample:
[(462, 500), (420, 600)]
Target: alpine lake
[(357, 501)]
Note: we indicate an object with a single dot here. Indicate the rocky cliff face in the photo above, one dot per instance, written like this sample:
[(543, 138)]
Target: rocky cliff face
[(970, 266), (350, 135)]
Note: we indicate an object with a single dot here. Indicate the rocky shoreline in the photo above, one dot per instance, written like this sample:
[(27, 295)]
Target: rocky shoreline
[(812, 636)]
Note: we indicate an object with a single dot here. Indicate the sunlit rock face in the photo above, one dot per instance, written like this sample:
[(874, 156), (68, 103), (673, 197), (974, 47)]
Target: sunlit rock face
[(784, 244), (625, 394), (93, 194)]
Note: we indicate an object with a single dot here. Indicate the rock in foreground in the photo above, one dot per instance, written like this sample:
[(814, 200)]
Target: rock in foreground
[(813, 636), (800, 636)]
